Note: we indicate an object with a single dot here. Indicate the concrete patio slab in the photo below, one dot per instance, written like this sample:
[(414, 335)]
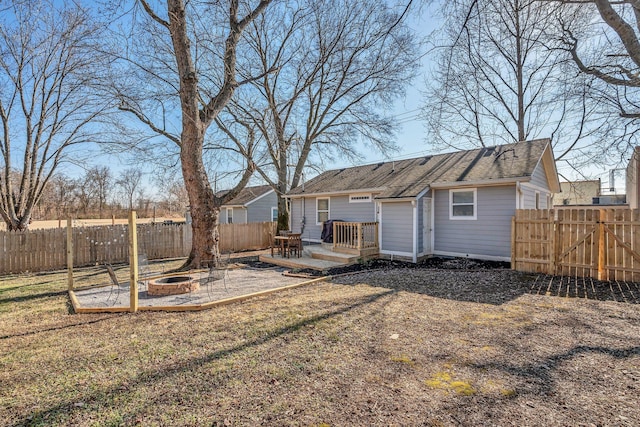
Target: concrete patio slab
[(241, 283)]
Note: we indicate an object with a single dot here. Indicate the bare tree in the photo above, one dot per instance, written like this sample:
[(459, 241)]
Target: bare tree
[(190, 60), (501, 77), (98, 184), (339, 64), (58, 197), (47, 65), (129, 184), (607, 49)]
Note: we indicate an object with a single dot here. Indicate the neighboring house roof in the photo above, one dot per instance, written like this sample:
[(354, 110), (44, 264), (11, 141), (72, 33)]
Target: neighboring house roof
[(408, 178), (247, 195)]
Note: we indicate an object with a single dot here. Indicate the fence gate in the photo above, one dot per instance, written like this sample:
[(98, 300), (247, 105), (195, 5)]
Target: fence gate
[(599, 243)]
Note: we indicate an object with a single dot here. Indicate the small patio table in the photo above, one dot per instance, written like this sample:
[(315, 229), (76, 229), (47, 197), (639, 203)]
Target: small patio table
[(283, 243)]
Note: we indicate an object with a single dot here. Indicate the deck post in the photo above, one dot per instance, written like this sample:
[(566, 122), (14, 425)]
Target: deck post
[(359, 227), (133, 263), (70, 254), (335, 230)]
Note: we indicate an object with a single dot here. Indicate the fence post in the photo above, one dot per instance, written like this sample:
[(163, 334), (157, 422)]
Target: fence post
[(552, 252), (513, 242), (70, 254), (602, 273), (133, 263)]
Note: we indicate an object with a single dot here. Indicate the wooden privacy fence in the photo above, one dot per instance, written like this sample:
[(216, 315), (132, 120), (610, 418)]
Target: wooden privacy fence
[(600, 243), (45, 249)]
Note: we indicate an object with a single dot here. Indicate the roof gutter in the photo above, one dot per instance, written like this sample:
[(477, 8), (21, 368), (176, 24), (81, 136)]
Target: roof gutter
[(480, 183), (335, 193)]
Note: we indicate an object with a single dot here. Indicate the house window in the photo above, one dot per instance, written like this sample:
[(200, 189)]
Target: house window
[(322, 210), (463, 204), (359, 198), (274, 214), (537, 200), (229, 215)]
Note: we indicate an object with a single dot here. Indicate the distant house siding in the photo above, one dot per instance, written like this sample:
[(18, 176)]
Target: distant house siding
[(397, 227), (489, 235), (260, 210)]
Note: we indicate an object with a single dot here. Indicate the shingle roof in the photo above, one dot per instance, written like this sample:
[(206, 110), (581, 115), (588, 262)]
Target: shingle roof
[(407, 178), (246, 195)]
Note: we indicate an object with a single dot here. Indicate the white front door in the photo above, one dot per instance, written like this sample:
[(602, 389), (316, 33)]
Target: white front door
[(426, 226)]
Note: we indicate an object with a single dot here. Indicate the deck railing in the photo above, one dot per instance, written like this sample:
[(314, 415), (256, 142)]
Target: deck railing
[(355, 235)]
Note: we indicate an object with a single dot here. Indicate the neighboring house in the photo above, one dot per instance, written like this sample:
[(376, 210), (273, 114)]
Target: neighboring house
[(454, 204), (252, 204), (577, 193), (633, 172)]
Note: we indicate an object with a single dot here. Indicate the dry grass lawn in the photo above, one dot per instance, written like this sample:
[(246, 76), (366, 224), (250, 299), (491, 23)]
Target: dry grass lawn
[(394, 347)]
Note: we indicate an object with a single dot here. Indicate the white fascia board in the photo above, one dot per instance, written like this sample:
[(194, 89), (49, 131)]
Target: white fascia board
[(480, 183), (335, 193)]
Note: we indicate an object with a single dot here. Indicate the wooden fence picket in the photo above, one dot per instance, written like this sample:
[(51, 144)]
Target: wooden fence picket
[(45, 249)]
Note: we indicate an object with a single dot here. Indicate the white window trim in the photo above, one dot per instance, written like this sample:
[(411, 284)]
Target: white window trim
[(360, 198), (537, 200), (328, 208), (229, 209), (475, 204), (274, 210)]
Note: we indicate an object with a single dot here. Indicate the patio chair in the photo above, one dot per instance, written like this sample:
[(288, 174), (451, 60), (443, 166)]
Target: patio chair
[(144, 272), (294, 244), (218, 270), (115, 285)]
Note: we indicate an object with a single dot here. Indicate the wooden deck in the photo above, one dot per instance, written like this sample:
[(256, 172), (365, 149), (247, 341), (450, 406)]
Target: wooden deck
[(314, 257)]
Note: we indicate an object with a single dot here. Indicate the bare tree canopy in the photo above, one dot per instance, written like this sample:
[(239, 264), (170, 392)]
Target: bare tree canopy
[(48, 62), (501, 76), (185, 54), (339, 64), (607, 49)]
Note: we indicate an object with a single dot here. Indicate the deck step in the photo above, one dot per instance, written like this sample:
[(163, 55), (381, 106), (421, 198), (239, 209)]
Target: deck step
[(300, 263), (335, 257)]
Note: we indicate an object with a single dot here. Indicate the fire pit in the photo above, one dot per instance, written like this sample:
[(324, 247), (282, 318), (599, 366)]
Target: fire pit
[(173, 285)]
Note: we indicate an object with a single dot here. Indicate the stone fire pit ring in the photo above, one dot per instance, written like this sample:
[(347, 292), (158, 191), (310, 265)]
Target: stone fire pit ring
[(172, 285)]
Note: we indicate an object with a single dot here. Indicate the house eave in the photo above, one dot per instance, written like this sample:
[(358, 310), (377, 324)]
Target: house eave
[(335, 193), (480, 183)]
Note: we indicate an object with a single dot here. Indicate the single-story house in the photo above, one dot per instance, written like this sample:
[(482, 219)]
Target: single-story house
[(453, 204), (252, 204)]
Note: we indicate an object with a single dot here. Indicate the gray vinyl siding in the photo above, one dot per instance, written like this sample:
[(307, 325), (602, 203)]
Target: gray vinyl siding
[(260, 210), (306, 209), (239, 215), (339, 208), (397, 227), (539, 177), (529, 196), (488, 235)]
